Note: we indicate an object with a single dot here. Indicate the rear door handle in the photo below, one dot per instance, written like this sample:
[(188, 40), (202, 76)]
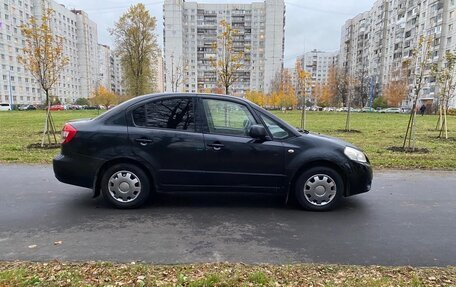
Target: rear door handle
[(216, 146), (143, 141)]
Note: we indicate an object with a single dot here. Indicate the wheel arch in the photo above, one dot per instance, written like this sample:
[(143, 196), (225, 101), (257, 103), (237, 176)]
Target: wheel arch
[(106, 165)]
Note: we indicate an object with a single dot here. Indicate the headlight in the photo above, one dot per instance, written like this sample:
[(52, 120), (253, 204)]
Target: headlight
[(355, 154)]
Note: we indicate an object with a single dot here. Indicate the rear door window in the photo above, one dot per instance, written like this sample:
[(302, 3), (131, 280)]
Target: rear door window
[(174, 113)]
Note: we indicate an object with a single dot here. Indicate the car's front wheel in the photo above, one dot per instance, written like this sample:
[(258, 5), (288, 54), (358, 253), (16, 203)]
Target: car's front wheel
[(125, 186), (319, 189)]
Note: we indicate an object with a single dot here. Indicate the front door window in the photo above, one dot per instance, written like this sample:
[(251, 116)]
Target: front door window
[(228, 118)]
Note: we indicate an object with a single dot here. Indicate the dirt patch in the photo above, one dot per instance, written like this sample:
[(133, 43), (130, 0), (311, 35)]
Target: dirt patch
[(46, 146), (408, 150)]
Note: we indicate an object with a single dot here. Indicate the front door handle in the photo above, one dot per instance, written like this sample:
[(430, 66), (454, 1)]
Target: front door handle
[(143, 141), (216, 146)]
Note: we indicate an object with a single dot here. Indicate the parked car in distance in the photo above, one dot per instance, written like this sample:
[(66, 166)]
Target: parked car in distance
[(27, 108), (74, 107), (343, 109), (367, 110), (5, 107), (406, 110), (391, 110), (57, 108), (202, 142)]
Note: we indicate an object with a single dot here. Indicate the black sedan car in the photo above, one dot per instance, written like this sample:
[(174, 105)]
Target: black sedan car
[(201, 142)]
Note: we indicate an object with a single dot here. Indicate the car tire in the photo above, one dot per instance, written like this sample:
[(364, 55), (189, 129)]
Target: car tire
[(125, 186), (319, 189)]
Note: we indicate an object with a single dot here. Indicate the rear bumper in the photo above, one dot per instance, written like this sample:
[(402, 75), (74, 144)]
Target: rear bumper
[(359, 177), (80, 171)]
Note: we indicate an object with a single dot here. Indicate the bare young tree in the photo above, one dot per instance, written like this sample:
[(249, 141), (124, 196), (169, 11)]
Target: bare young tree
[(362, 84), (445, 78), (337, 82), (303, 82), (177, 74), (44, 57), (351, 83), (420, 63)]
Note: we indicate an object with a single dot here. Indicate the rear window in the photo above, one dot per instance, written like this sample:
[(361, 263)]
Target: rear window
[(175, 113), (4, 105)]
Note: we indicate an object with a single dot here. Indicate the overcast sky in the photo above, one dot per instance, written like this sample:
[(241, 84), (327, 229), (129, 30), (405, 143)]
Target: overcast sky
[(310, 24)]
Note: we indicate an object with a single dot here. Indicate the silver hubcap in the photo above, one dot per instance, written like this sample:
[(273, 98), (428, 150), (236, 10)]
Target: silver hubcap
[(320, 189), (124, 186)]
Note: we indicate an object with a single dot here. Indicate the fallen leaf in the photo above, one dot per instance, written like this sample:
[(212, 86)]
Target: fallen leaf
[(32, 246)]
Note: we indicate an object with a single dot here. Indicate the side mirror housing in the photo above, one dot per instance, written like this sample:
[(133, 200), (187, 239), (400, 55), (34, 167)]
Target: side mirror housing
[(258, 132)]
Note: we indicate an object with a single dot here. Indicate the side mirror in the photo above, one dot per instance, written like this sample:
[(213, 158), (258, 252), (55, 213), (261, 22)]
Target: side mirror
[(258, 132)]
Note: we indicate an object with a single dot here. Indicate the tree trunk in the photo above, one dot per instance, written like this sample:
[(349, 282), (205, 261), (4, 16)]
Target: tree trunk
[(226, 89), (347, 121), (444, 124), (438, 126), (304, 112), (49, 126), (410, 133)]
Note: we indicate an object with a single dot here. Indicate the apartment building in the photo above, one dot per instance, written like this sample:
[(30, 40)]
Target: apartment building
[(318, 64), (382, 39), (191, 29), (14, 79), (77, 79), (109, 70), (159, 73), (104, 66)]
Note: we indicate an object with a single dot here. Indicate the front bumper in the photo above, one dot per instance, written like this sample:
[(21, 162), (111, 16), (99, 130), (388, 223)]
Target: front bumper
[(78, 171), (359, 178)]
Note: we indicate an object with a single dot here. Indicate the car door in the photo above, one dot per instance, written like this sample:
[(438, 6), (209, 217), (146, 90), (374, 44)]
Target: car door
[(233, 160), (164, 133)]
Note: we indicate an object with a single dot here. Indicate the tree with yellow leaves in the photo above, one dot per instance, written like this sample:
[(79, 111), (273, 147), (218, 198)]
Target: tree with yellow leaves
[(230, 60), (323, 94), (283, 93), (104, 97), (287, 93), (44, 57), (137, 47), (273, 100), (396, 89), (256, 97)]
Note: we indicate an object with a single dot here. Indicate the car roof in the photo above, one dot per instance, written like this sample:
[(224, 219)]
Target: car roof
[(198, 95), (143, 98)]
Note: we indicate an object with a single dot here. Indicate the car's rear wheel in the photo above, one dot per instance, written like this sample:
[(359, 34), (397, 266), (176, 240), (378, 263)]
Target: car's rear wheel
[(125, 186), (319, 189)]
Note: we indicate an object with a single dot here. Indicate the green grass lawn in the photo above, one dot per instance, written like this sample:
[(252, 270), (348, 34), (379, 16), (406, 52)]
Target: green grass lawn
[(18, 129), (207, 275), (380, 131), (377, 133)]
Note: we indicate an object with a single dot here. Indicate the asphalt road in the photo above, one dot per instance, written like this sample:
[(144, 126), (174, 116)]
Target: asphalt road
[(409, 218)]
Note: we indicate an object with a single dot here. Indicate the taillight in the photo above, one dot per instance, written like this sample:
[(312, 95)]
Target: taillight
[(68, 133)]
